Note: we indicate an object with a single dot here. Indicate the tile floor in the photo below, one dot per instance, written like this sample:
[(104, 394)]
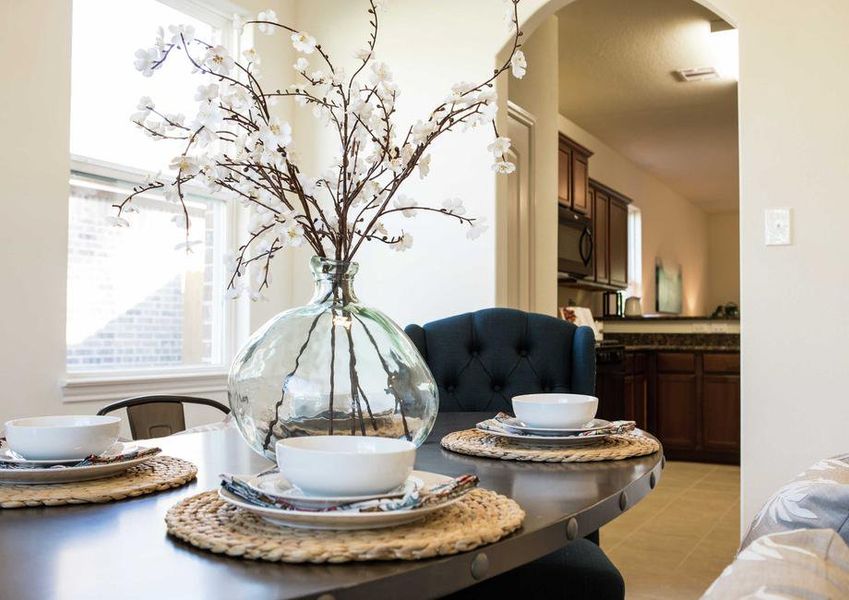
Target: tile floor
[(677, 540)]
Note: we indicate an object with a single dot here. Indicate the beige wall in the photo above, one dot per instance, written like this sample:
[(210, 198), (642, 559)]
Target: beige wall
[(723, 259), (674, 229), (537, 93)]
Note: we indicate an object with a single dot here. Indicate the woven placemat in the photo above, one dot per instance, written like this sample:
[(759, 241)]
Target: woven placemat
[(157, 474), (615, 447), (207, 522)]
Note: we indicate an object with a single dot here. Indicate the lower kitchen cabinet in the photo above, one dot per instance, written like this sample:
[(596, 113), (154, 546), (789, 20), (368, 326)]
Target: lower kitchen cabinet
[(689, 400)]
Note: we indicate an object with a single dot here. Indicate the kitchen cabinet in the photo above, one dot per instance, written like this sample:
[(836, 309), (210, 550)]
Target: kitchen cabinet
[(573, 174), (618, 242), (689, 400), (610, 236)]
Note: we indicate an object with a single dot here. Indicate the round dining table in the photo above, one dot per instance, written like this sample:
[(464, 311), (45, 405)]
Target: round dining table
[(122, 550)]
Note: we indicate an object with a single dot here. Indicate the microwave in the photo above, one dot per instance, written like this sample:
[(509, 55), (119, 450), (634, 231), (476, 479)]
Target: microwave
[(574, 244)]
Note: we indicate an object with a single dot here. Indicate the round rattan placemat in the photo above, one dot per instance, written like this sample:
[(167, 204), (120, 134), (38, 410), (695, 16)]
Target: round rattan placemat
[(157, 474), (616, 447), (207, 522)]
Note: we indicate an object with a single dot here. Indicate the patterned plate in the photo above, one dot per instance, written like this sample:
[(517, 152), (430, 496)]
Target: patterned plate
[(516, 426)]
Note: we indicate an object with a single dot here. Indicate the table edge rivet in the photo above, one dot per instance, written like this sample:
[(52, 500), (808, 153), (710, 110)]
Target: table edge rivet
[(480, 566), (623, 501), (572, 529), (652, 481)]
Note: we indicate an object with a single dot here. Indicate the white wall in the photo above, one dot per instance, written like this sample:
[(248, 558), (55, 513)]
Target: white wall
[(674, 229), (537, 93), (35, 43), (723, 259)]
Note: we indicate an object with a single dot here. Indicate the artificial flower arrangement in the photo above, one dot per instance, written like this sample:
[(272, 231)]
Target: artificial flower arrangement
[(235, 146)]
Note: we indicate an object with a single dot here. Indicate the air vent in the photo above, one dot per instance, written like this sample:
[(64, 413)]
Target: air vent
[(696, 74)]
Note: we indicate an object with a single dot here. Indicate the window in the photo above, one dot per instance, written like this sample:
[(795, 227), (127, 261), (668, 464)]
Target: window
[(635, 252), (138, 302)]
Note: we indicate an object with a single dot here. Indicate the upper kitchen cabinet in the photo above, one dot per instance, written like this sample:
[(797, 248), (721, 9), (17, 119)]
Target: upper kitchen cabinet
[(610, 235), (573, 175)]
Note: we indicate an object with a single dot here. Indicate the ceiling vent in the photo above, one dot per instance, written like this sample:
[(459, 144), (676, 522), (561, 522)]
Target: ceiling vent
[(696, 74)]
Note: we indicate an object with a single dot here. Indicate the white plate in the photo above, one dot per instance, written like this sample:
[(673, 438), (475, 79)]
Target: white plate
[(547, 440), (277, 485), (68, 474), (514, 424), (9, 455), (342, 520)]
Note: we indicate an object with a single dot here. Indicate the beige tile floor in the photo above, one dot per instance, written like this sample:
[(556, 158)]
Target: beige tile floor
[(677, 540)]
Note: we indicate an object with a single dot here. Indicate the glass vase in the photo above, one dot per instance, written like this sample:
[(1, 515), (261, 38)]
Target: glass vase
[(331, 367)]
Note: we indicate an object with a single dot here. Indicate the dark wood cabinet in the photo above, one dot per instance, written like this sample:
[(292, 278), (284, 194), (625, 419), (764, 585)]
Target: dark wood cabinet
[(689, 400), (601, 208), (618, 242), (573, 175)]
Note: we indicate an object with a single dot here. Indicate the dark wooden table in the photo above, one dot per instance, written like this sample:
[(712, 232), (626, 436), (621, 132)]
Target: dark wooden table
[(121, 550)]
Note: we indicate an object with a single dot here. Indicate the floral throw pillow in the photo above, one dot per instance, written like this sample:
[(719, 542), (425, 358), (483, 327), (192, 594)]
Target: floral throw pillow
[(817, 499), (806, 563)]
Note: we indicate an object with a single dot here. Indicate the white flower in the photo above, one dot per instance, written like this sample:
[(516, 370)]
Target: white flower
[(454, 206), (181, 33), (117, 221), (209, 116), (503, 167), (145, 60), (380, 73), (405, 243), (275, 134), (308, 184), (509, 15), (381, 5), (233, 293), (424, 166), (421, 130), (477, 228), (235, 97), (518, 64), (303, 42), (172, 194), (291, 233), (301, 65), (252, 56), (499, 146), (185, 165), (180, 220), (406, 205), (363, 54), (218, 60), (145, 104), (271, 17), (206, 93)]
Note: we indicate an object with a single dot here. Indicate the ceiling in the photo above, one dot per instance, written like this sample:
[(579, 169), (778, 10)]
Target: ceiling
[(617, 59)]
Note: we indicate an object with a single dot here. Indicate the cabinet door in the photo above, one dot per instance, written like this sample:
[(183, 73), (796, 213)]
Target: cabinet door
[(640, 401), (721, 412), (564, 176), (580, 182), (618, 243), (600, 235), (677, 405)]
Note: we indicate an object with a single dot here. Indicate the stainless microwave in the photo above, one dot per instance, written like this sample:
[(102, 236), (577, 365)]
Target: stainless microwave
[(574, 244)]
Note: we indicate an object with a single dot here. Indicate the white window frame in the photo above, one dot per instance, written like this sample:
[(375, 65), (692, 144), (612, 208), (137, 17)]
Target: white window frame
[(105, 386), (635, 252)]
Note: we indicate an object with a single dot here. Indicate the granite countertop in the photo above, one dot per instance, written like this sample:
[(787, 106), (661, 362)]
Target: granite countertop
[(679, 348)]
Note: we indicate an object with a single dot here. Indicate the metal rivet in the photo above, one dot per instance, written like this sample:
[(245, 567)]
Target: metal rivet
[(623, 501), (480, 565), (652, 480), (572, 529)]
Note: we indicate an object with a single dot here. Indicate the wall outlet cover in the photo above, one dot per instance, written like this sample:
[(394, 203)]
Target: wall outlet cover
[(777, 226)]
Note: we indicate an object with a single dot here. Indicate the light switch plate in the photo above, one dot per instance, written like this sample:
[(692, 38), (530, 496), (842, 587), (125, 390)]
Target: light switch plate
[(778, 224)]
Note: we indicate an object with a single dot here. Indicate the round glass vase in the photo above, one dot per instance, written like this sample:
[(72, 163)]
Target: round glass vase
[(332, 367)]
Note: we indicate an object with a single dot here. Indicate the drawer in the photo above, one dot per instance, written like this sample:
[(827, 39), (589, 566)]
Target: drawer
[(676, 362), (635, 362), (722, 363)]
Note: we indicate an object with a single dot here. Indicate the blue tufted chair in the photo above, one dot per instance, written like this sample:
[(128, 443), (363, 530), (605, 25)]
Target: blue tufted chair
[(481, 360)]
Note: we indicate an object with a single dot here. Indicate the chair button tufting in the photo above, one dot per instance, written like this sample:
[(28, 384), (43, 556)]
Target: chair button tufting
[(523, 352), (449, 388), (474, 353), (496, 388)]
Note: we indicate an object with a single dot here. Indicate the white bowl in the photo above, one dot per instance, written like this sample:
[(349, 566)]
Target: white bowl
[(555, 411), (335, 465), (62, 438)]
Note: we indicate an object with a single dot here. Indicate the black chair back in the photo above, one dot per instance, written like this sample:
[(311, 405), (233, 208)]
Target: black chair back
[(158, 416), (481, 360)]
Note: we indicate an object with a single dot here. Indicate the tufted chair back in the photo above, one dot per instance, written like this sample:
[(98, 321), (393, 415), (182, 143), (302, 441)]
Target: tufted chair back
[(481, 360)]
